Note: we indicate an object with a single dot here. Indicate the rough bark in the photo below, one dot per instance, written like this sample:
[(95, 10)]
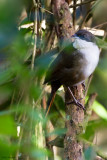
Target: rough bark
[(63, 19), (74, 115), (74, 124)]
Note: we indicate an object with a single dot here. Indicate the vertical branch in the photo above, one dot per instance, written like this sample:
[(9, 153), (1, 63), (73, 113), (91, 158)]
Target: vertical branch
[(74, 124), (50, 27), (82, 25), (74, 13), (35, 35), (63, 20), (73, 148)]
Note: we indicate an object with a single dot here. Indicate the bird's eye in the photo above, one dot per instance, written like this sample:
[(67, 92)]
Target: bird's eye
[(82, 36)]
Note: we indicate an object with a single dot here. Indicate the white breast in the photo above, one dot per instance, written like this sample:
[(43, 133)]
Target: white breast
[(91, 53)]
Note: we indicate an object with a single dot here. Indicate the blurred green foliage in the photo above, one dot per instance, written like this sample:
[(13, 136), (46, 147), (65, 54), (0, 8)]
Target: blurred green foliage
[(22, 89), (89, 151)]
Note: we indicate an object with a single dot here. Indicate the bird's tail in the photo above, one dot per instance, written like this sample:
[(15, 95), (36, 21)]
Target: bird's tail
[(54, 87), (50, 102)]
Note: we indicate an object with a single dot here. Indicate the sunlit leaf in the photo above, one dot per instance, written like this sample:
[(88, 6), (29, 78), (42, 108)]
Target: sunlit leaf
[(100, 110)]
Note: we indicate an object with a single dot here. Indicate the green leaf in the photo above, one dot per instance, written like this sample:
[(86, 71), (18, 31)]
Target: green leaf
[(7, 149), (60, 104), (89, 154), (7, 125), (101, 43), (40, 153), (92, 127), (100, 110), (35, 92)]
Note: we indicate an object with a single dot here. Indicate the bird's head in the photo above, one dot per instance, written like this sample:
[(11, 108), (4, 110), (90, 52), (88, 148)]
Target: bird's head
[(83, 39)]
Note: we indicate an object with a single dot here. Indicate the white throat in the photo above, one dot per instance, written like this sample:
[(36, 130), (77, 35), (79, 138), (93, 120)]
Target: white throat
[(91, 54)]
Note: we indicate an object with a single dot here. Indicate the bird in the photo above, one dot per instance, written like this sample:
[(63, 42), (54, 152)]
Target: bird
[(73, 65)]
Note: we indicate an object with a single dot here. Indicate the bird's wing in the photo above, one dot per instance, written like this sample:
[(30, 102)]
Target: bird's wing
[(65, 60)]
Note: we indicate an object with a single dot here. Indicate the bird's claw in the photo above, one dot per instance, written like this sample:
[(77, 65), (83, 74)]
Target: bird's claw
[(80, 105), (77, 103)]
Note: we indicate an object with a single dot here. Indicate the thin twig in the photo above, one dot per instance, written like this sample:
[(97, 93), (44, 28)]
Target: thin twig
[(45, 10), (21, 135), (39, 6), (33, 56), (80, 4), (102, 155), (100, 25), (88, 84), (13, 96), (89, 104), (85, 18), (74, 13), (35, 36)]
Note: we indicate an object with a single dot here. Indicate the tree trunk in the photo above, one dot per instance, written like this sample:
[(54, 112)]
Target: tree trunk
[(74, 116), (73, 148)]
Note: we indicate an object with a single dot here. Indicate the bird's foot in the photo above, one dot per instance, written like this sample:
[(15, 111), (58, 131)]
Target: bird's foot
[(76, 102)]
